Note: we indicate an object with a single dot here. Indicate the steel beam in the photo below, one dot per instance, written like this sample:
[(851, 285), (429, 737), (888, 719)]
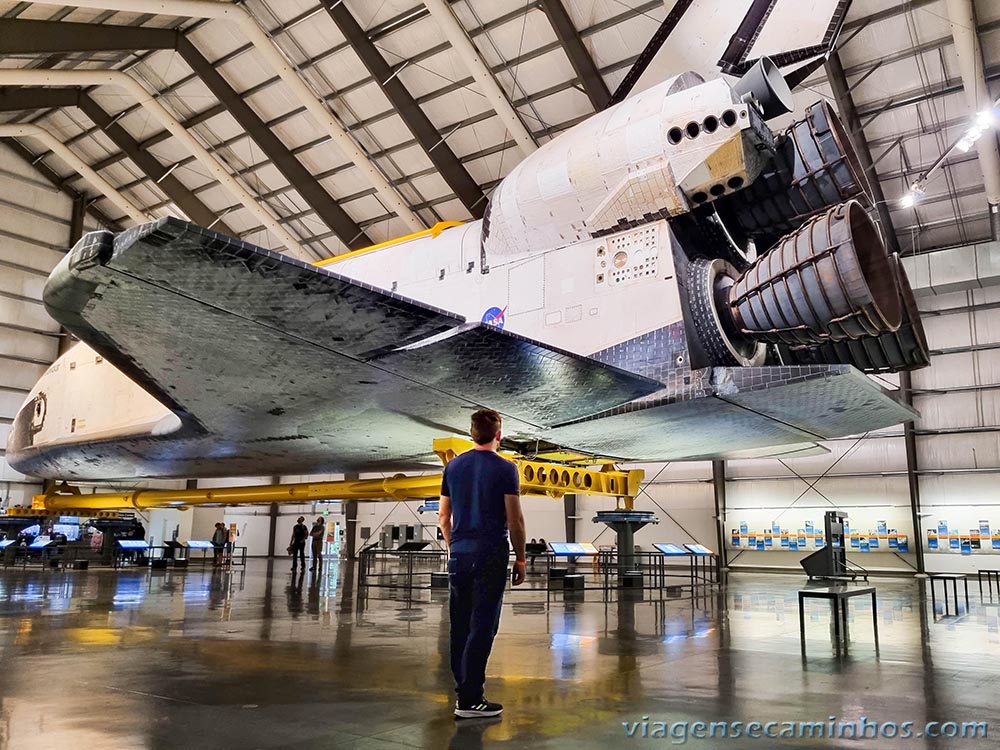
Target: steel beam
[(849, 114), (77, 216), (569, 511), (463, 48), (719, 488), (174, 188), (508, 65), (424, 131), (17, 98), (272, 528), (327, 209), (351, 529), (590, 76), (26, 98), (52, 177), (912, 469), (20, 36), (650, 51), (62, 36)]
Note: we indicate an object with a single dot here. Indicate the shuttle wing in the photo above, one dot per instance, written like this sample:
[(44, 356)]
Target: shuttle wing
[(248, 344), (275, 366)]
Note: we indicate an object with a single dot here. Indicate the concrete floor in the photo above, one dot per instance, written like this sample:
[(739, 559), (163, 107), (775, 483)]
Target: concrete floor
[(203, 659)]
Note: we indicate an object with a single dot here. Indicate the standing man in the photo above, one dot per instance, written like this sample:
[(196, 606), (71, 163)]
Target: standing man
[(480, 503), (297, 545), (317, 533), (219, 537)]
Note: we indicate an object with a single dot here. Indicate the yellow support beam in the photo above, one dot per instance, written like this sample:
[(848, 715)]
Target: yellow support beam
[(537, 478), (44, 513), (434, 231)]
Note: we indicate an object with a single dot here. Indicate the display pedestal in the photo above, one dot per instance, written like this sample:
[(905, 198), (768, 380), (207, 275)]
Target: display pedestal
[(625, 523)]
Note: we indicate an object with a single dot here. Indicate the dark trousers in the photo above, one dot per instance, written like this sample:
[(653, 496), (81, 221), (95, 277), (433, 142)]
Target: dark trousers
[(317, 553), (299, 553), (476, 586)]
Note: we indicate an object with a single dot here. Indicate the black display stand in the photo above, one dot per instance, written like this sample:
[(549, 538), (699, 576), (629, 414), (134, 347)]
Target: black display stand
[(830, 562)]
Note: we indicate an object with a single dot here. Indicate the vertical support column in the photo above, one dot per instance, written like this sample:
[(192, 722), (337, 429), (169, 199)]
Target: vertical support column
[(79, 211), (76, 219), (910, 442), (351, 522), (569, 510), (719, 487), (272, 531), (626, 548)]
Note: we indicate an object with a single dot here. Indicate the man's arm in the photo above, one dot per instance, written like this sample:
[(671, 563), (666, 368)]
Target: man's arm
[(444, 520), (518, 535)]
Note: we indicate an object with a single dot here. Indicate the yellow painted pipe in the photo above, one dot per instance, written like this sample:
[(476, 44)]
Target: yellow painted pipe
[(391, 488), (537, 478)]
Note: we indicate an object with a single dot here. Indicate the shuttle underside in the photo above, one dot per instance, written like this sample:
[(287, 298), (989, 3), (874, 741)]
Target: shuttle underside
[(669, 280)]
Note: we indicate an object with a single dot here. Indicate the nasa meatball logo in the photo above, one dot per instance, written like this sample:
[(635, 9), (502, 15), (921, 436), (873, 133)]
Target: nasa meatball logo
[(495, 317)]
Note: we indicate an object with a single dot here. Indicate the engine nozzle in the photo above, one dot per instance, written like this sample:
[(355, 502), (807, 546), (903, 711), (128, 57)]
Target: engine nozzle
[(830, 280), (903, 349), (815, 167)]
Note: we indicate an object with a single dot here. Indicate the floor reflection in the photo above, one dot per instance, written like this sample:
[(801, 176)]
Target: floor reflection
[(264, 658)]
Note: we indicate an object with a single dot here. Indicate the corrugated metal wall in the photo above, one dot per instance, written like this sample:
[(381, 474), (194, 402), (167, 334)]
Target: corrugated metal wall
[(34, 232)]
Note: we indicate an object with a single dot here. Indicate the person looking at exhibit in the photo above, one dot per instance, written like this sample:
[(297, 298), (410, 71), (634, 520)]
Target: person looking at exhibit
[(480, 504)]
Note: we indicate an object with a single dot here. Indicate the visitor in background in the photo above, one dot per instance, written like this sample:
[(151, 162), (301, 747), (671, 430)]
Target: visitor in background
[(138, 534), (219, 537), (317, 533), (297, 545)]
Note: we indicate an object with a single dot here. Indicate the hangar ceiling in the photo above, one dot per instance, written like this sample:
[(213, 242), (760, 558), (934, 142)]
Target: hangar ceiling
[(438, 140)]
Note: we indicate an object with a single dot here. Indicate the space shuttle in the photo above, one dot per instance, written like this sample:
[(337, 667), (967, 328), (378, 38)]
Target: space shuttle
[(671, 279)]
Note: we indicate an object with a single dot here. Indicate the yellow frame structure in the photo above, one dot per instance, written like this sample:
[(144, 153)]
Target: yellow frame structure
[(537, 478), (434, 231)]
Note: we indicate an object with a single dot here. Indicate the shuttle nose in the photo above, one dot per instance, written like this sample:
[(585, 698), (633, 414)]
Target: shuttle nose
[(28, 421)]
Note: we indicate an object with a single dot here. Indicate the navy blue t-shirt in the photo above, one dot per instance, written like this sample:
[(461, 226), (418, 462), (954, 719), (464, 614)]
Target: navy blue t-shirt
[(476, 482)]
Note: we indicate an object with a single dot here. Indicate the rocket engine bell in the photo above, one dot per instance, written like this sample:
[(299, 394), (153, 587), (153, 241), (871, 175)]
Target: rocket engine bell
[(826, 293), (814, 167), (903, 349), (829, 280)]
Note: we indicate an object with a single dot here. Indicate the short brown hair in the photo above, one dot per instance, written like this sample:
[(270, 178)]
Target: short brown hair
[(485, 426)]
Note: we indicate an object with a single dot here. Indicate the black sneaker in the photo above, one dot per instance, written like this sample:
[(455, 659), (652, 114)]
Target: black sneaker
[(476, 710)]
